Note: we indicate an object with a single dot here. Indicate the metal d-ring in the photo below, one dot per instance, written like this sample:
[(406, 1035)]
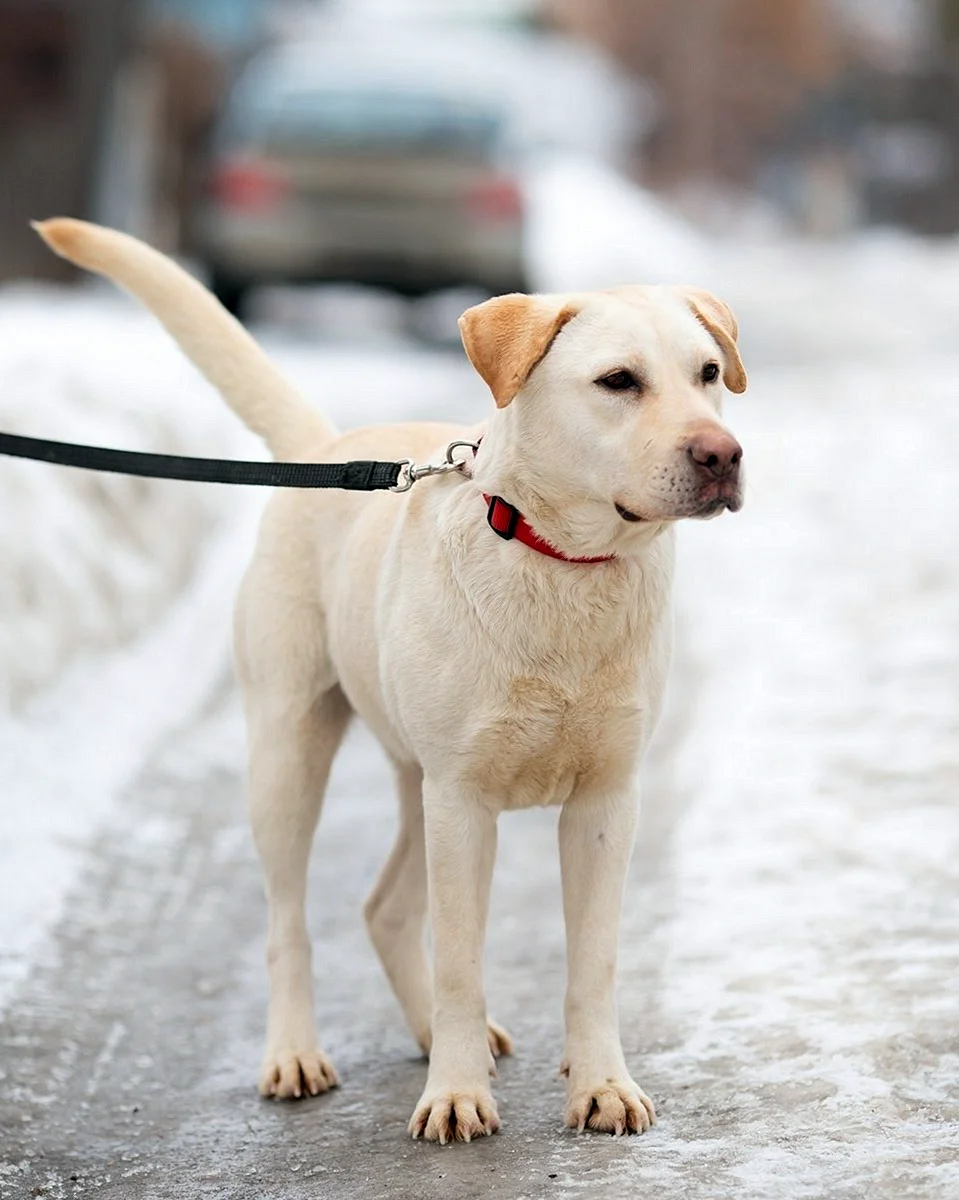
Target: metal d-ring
[(458, 464)]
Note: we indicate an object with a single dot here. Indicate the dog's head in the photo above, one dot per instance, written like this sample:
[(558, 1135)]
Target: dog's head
[(609, 409)]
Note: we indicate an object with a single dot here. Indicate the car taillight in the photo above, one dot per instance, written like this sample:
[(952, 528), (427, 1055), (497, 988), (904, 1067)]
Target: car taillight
[(248, 184), (496, 199)]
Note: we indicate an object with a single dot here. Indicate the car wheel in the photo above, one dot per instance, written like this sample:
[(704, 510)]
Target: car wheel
[(516, 283), (233, 293)]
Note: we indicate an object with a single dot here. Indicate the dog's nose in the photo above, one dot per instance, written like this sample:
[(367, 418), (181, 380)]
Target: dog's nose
[(716, 452)]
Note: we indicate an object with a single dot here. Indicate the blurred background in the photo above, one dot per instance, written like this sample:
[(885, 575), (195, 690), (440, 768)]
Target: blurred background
[(390, 141)]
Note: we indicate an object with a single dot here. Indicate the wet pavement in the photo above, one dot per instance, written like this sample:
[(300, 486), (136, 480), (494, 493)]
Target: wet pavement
[(130, 1056)]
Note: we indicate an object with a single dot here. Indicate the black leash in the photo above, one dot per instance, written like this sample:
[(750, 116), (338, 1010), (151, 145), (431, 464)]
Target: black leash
[(353, 476)]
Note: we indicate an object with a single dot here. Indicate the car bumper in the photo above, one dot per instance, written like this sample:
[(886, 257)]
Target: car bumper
[(344, 242)]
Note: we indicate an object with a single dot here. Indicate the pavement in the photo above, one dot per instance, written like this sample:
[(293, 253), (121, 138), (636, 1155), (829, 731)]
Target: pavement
[(129, 1058)]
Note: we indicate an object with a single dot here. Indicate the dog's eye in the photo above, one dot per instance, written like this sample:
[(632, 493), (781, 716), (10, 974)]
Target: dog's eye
[(619, 381), (710, 372)]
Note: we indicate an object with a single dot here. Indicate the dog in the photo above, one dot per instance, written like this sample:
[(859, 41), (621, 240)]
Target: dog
[(504, 630)]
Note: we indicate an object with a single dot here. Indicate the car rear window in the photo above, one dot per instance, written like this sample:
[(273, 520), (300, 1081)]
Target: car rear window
[(364, 119)]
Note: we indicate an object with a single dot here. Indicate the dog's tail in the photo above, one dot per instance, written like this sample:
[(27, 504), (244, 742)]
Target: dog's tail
[(216, 343)]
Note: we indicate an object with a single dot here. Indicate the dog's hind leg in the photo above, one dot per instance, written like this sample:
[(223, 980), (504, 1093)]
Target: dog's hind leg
[(396, 914), (291, 750), (397, 907)]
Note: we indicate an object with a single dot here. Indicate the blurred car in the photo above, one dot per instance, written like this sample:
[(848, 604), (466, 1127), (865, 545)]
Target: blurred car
[(318, 178), (392, 155)]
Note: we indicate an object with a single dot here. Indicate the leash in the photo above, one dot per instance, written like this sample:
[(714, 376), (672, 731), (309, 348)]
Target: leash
[(361, 476)]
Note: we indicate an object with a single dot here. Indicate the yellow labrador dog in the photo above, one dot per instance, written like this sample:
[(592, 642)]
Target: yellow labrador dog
[(503, 630)]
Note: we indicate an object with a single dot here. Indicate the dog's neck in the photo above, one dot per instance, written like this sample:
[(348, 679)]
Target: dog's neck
[(513, 463)]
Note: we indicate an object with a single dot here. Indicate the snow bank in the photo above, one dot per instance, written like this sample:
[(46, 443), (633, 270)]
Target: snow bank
[(590, 228), (71, 754), (89, 559), (882, 293)]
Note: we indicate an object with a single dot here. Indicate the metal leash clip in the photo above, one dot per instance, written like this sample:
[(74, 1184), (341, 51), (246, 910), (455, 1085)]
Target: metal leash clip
[(410, 472)]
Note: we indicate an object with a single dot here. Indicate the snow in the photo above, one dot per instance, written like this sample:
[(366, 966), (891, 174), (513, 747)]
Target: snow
[(806, 892), (70, 756), (590, 228), (88, 559), (881, 293)]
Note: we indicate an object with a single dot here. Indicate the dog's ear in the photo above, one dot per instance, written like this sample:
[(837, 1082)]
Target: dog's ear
[(507, 336), (718, 318)]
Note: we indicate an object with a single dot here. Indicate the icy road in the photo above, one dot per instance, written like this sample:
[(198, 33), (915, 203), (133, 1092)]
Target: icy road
[(790, 952)]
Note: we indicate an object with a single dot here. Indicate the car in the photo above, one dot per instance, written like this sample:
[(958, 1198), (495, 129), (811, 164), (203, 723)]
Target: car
[(388, 155), (398, 183)]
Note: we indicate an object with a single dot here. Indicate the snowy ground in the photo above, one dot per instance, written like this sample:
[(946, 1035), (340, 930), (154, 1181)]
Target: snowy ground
[(791, 946)]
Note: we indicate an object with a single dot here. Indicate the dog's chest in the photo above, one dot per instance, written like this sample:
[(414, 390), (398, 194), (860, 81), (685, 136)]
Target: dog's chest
[(570, 685), (542, 682), (540, 738)]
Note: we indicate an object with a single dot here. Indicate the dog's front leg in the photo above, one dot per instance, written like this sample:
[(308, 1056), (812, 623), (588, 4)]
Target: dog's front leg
[(460, 848), (596, 839)]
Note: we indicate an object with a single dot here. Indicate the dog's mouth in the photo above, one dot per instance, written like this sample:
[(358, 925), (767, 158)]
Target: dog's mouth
[(719, 495), (716, 504), (708, 501)]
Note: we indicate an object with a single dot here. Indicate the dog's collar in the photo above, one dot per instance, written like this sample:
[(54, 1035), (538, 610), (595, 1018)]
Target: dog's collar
[(508, 522)]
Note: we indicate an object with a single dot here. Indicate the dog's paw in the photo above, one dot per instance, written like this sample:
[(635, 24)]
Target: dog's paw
[(447, 1115), (288, 1075), (614, 1106)]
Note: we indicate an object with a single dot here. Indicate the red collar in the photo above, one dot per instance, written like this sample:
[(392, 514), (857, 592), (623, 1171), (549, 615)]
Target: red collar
[(508, 522)]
